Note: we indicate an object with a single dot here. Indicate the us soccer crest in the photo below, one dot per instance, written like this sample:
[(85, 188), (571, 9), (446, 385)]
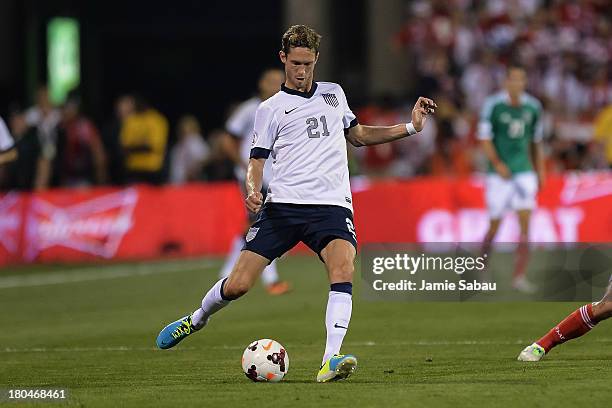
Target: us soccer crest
[(251, 234), (330, 99)]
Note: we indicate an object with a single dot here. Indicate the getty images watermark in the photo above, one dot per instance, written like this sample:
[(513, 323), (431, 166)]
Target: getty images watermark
[(462, 272), (414, 266)]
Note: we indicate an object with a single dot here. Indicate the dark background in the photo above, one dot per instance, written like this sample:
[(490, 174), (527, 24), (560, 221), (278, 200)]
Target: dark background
[(191, 56)]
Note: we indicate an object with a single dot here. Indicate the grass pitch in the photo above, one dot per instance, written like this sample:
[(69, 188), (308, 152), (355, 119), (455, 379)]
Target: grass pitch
[(92, 330)]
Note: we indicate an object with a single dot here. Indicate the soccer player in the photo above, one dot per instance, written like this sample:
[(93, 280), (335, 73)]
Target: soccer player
[(304, 127), (577, 324), (239, 126), (510, 132), (8, 151)]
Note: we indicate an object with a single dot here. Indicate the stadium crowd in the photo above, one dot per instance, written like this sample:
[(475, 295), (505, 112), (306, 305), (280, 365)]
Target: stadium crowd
[(461, 48)]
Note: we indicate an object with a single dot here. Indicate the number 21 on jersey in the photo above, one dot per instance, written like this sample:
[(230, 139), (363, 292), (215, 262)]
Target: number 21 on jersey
[(313, 127)]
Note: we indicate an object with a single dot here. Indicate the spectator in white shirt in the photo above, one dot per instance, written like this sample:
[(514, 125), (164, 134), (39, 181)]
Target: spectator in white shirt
[(189, 154)]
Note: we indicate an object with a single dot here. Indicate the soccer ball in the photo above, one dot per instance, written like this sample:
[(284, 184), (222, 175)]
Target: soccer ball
[(265, 360)]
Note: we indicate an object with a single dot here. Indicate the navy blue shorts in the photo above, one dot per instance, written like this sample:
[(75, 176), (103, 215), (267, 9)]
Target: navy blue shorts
[(279, 227)]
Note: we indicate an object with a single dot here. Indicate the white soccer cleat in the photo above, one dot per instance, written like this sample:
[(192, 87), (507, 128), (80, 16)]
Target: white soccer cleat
[(535, 352)]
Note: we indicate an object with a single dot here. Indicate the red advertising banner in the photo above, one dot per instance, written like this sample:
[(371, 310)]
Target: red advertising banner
[(11, 216), (144, 222)]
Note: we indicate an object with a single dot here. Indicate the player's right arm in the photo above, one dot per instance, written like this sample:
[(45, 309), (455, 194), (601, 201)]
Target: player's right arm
[(491, 153), (485, 135), (254, 179), (264, 135)]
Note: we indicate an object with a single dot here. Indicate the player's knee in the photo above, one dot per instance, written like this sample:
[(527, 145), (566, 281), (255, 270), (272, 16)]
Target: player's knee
[(343, 272), (235, 289), (602, 310), (236, 285)]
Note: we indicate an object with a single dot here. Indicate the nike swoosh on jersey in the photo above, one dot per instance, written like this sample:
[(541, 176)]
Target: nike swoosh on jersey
[(337, 326), (289, 111)]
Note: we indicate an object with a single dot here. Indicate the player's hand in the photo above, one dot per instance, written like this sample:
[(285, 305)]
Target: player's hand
[(502, 170), (422, 108), (254, 201)]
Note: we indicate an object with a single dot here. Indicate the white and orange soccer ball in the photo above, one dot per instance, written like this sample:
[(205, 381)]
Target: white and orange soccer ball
[(265, 360)]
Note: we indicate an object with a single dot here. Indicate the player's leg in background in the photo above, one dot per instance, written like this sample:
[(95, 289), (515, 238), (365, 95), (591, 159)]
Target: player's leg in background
[(232, 258), (498, 195), (519, 281), (523, 202), (269, 277), (577, 324), (487, 243), (339, 258)]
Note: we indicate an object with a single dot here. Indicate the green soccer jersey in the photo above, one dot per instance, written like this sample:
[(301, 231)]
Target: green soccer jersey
[(511, 129)]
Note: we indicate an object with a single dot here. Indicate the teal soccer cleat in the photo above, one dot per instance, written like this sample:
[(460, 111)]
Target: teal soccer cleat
[(339, 367), (172, 334)]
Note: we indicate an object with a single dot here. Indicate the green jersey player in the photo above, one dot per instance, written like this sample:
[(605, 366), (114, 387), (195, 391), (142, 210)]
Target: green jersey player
[(510, 132)]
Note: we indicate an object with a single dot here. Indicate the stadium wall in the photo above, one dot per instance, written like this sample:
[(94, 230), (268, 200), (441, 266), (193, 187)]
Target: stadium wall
[(143, 222)]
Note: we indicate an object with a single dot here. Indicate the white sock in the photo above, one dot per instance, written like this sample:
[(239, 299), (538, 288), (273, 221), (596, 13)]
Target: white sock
[(230, 261), (337, 318), (211, 304), (270, 274)]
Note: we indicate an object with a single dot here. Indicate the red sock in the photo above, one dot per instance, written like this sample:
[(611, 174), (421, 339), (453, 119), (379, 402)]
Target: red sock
[(573, 326), (522, 257)]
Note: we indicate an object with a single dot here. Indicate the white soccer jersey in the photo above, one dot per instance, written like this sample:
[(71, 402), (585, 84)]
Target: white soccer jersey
[(6, 141), (240, 124), (305, 134)]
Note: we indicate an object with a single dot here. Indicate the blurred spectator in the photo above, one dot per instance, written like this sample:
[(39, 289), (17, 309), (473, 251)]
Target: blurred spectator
[(480, 79), (144, 136), (45, 118), (404, 158), (80, 159), (32, 169), (189, 154), (458, 50), (219, 166), (451, 154), (239, 126), (603, 133), (377, 159), (124, 106)]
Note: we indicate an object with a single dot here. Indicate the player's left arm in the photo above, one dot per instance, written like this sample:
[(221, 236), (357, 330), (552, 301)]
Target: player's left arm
[(537, 156), (363, 135), (537, 159)]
